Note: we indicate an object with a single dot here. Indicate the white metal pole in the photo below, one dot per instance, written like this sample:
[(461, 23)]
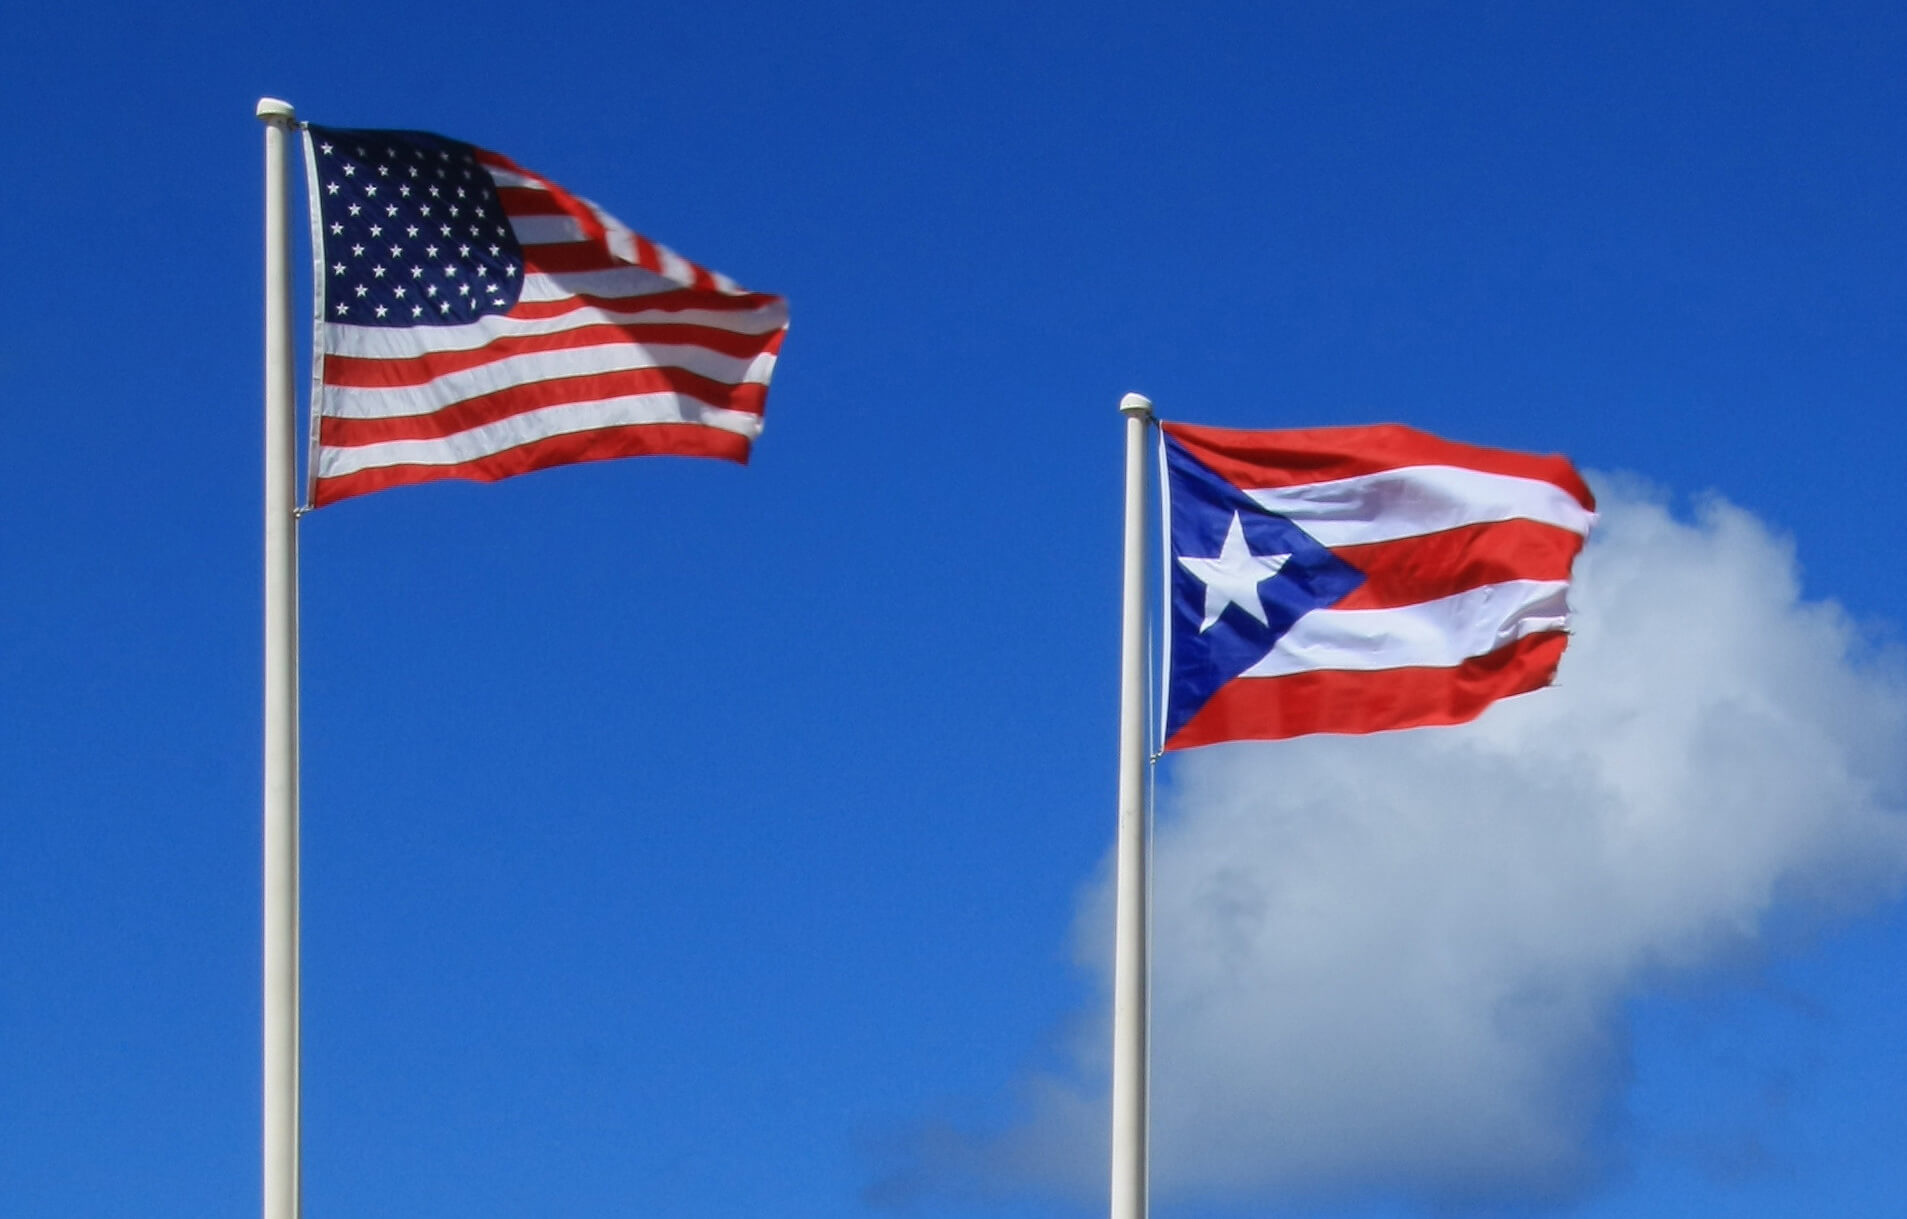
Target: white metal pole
[(1129, 1063), (281, 1159)]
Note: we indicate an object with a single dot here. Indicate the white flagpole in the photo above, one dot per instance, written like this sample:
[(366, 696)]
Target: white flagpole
[(1129, 1063), (281, 1160)]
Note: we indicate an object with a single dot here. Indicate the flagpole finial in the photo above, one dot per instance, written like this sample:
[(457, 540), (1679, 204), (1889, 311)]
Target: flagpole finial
[(271, 110), (1136, 404)]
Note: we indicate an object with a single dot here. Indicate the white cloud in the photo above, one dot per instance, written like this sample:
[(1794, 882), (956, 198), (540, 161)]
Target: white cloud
[(1397, 965)]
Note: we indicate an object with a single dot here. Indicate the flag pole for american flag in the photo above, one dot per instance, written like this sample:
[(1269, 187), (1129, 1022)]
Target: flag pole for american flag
[(1129, 981), (280, 1170)]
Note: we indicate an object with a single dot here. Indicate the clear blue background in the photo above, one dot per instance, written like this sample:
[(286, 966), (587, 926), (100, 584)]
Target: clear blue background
[(679, 836)]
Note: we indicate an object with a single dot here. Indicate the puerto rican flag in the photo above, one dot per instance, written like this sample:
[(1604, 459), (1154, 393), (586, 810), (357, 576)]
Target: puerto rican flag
[(1359, 579)]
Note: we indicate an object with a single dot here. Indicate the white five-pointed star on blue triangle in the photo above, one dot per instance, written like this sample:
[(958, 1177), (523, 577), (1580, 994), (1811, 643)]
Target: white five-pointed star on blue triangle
[(1234, 576)]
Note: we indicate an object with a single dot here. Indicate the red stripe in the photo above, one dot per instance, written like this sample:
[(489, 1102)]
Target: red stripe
[(552, 200), (556, 258), (575, 257), (1343, 701), (675, 301), (528, 201), (647, 256), (495, 160), (1433, 565), (1261, 461), (639, 440), (364, 372), (339, 432)]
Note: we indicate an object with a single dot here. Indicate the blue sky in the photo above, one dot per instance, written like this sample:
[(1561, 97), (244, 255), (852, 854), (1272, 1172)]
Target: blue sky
[(694, 840)]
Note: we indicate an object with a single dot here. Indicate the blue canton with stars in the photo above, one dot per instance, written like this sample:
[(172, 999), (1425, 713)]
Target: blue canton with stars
[(1205, 658), (412, 230)]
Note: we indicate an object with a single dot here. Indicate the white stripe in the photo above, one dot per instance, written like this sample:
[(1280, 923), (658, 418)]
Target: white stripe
[(1413, 500), (549, 230), (1431, 634), (399, 342), (351, 402), (531, 426), (674, 266), (505, 177), (613, 281)]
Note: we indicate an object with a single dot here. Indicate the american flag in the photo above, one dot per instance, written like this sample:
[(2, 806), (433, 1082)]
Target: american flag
[(477, 321)]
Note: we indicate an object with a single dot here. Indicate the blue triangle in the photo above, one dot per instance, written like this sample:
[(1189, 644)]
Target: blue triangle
[(1313, 578)]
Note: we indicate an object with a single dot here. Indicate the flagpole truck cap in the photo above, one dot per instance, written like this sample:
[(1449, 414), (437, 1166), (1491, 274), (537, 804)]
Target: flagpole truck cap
[(1132, 404), (270, 109)]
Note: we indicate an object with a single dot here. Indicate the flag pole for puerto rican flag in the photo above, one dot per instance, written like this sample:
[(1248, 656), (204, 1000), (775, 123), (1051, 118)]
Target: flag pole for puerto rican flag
[(1129, 985), (280, 1170)]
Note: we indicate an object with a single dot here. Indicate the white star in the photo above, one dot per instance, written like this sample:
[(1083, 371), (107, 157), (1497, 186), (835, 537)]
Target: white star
[(332, 188), (381, 311), (1234, 576)]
